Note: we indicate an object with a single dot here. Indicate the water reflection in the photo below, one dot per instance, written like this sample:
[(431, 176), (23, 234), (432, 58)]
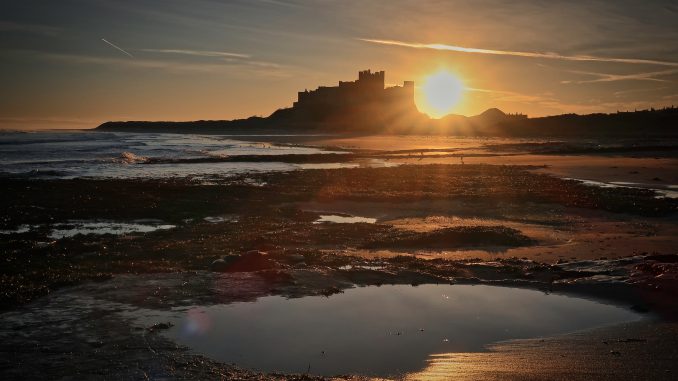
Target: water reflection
[(381, 331), (337, 219), (668, 192), (74, 228)]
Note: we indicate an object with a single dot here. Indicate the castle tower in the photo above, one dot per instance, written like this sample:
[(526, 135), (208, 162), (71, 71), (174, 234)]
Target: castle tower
[(371, 81)]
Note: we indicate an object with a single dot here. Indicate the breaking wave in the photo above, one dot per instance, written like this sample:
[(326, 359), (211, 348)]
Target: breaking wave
[(130, 158)]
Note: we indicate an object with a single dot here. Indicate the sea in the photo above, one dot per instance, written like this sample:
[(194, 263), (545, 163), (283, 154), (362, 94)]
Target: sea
[(121, 155), (209, 159)]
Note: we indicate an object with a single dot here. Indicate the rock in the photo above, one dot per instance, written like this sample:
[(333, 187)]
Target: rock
[(272, 275), (296, 258), (219, 265), (159, 326), (266, 247), (632, 340), (95, 343), (327, 292), (224, 263), (252, 260), (643, 309)]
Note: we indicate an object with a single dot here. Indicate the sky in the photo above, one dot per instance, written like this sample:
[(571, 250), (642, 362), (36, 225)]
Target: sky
[(78, 63)]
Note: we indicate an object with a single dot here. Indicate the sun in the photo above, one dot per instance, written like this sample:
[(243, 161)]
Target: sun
[(439, 93)]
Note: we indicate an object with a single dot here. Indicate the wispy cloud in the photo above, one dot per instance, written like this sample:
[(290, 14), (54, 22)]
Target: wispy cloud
[(228, 57), (198, 53), (225, 59), (547, 55), (117, 47), (622, 93), (266, 69), (132, 64), (603, 77), (512, 96), (7, 26), (283, 3)]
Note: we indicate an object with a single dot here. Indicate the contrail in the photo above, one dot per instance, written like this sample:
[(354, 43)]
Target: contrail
[(200, 53), (117, 47), (556, 56), (603, 77)]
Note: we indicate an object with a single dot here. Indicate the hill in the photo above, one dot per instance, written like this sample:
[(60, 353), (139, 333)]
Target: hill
[(644, 123)]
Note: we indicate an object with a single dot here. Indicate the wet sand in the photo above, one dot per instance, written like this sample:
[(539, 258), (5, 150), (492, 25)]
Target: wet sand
[(638, 351), (653, 173), (648, 168), (241, 238), (561, 234)]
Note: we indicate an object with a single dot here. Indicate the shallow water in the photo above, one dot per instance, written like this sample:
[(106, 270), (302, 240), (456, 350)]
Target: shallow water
[(219, 219), (668, 191), (380, 331), (74, 228), (333, 218), (89, 154), (19, 230)]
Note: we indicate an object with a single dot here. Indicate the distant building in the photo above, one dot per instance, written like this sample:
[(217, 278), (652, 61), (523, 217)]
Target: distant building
[(363, 104), (368, 89)]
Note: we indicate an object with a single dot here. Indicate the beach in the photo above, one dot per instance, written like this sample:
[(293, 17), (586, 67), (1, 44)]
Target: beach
[(100, 266)]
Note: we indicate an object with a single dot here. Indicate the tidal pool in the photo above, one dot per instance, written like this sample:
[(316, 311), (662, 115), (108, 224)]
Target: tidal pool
[(337, 219), (74, 228), (670, 191), (218, 219), (386, 331), (19, 230)]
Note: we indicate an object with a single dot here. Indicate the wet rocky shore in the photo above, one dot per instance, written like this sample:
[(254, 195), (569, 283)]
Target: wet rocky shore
[(242, 238)]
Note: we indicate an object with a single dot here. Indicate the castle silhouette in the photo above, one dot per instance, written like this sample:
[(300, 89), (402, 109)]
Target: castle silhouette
[(370, 87), (366, 100)]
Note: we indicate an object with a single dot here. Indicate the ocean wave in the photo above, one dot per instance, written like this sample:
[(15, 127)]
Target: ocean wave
[(34, 173), (212, 154), (130, 158)]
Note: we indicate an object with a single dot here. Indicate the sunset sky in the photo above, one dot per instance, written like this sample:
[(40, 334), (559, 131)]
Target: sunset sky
[(76, 63)]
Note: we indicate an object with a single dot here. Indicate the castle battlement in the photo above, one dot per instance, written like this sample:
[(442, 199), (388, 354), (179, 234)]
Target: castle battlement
[(369, 88)]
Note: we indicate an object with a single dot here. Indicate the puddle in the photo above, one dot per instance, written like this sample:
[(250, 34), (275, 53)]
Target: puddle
[(386, 331), (327, 165), (254, 182), (671, 192), (337, 219), (242, 148), (19, 230), (218, 219), (361, 267), (661, 193), (74, 228)]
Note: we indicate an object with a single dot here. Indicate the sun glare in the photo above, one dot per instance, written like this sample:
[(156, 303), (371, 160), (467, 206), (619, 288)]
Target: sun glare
[(439, 94)]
